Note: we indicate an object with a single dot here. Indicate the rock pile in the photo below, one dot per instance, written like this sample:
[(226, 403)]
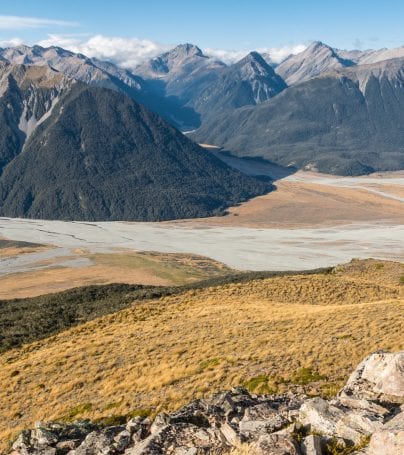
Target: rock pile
[(367, 417)]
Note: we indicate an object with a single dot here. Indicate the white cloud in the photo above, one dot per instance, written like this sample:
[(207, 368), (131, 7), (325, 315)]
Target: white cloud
[(275, 54), (130, 52), (20, 22), (11, 42), (126, 52), (224, 55)]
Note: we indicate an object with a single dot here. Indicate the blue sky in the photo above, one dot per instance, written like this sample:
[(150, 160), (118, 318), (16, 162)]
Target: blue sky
[(220, 24)]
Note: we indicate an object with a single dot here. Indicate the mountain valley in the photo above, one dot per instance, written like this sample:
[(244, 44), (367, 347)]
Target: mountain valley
[(323, 109), (198, 247)]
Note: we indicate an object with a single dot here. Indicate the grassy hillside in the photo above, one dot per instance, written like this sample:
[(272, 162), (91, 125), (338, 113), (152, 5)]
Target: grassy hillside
[(274, 334), (30, 319)]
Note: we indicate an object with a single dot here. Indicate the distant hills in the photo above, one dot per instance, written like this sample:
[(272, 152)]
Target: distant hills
[(72, 151), (79, 139), (101, 74), (338, 115), (326, 124), (324, 109)]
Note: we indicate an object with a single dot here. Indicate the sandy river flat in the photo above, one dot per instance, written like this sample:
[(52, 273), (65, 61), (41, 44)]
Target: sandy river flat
[(238, 247), (310, 221)]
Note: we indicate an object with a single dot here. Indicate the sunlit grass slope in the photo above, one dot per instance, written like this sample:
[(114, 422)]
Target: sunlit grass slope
[(292, 332)]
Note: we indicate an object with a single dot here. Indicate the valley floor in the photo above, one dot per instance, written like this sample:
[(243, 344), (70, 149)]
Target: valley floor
[(273, 334), (32, 272), (312, 200), (310, 221)]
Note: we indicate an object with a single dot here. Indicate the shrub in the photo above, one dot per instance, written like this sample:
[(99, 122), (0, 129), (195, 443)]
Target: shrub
[(305, 376), (76, 411)]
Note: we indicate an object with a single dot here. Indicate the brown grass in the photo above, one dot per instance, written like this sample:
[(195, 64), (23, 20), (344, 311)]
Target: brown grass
[(10, 252), (40, 76), (120, 267), (299, 332), (395, 190), (301, 204)]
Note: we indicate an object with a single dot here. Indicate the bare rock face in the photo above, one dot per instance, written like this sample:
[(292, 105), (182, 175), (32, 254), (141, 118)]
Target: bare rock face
[(275, 444), (315, 60), (380, 378), (389, 439), (366, 418), (311, 445), (333, 420)]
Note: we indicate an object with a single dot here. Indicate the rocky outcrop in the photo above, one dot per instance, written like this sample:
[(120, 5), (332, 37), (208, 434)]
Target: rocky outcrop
[(365, 418), (380, 378), (390, 438)]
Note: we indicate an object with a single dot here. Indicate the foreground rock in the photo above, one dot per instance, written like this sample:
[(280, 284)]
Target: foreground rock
[(367, 417), (380, 377), (390, 438)]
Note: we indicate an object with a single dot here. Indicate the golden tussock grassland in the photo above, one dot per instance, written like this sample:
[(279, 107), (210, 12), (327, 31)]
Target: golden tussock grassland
[(272, 335)]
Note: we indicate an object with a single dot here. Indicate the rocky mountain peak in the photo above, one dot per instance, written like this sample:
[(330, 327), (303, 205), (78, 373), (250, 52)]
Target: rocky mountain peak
[(173, 61), (182, 54), (317, 59), (37, 55), (21, 48), (317, 45), (186, 50), (376, 56), (254, 57), (321, 52), (254, 64), (18, 54), (250, 81), (57, 51), (317, 50)]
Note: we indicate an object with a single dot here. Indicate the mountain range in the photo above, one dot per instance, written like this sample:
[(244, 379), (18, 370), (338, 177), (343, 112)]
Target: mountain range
[(338, 115), (73, 151), (347, 123), (189, 88), (100, 74), (85, 139)]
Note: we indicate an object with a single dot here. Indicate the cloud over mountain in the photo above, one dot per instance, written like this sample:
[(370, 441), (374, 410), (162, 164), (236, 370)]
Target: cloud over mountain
[(12, 42), (274, 54), (130, 52), (126, 52)]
